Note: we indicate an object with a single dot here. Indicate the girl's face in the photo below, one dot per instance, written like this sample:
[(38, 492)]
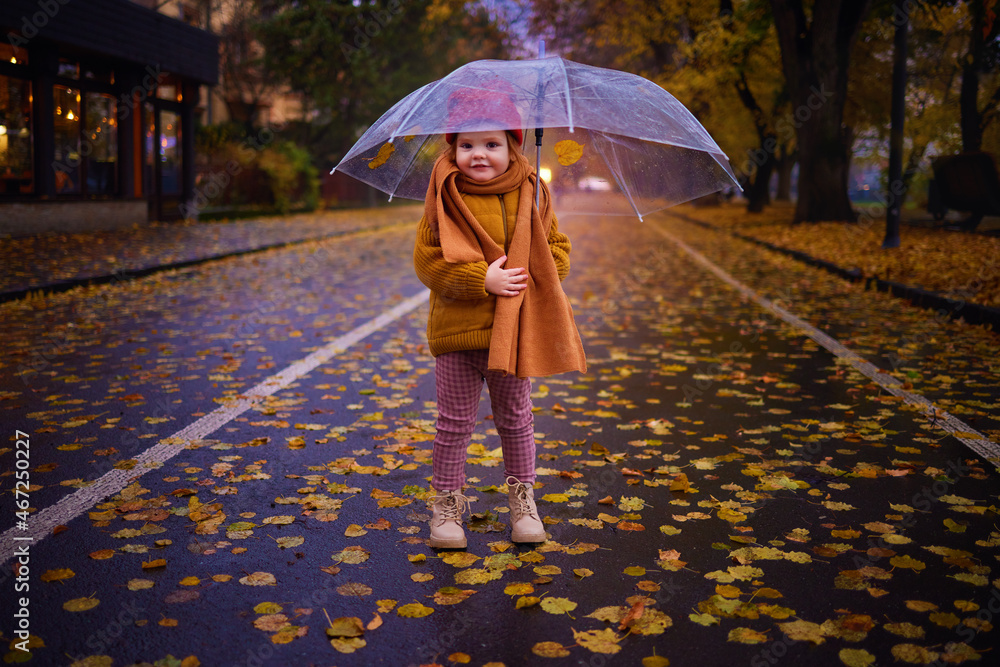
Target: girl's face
[(482, 156)]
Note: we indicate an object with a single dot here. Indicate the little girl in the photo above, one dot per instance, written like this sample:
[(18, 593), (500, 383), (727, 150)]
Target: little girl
[(493, 262)]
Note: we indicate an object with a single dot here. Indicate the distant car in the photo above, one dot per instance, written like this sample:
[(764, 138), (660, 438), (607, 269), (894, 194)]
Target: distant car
[(594, 183)]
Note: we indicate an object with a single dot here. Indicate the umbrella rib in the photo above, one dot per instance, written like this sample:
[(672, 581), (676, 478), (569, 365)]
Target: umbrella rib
[(402, 174), (618, 179), (569, 100), (430, 88)]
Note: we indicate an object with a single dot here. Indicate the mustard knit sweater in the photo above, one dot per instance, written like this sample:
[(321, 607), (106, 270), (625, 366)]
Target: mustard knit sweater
[(461, 315)]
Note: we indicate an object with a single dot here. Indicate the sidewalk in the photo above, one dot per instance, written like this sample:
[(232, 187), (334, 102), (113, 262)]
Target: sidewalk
[(56, 262)]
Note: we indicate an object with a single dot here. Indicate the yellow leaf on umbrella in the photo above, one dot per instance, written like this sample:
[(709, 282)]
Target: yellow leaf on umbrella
[(103, 554), (568, 152), (189, 581), (57, 575), (267, 608), (154, 564), (383, 154), (526, 601), (460, 658), (421, 576)]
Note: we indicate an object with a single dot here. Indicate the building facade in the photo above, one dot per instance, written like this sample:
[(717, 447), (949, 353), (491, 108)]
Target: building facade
[(98, 103)]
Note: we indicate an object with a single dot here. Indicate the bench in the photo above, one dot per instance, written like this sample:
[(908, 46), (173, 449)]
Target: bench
[(965, 182)]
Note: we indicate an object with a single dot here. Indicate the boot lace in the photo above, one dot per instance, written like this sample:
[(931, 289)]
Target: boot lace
[(452, 505), (519, 494)]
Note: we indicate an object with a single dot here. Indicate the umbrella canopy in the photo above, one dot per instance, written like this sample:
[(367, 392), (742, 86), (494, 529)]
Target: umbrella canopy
[(614, 142)]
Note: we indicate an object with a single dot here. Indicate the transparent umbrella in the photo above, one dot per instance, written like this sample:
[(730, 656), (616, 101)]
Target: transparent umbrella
[(615, 143)]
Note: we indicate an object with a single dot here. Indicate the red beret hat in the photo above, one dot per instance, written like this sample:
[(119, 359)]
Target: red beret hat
[(489, 102)]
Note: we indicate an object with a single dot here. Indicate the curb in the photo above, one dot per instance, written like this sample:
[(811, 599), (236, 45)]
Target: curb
[(942, 305), (132, 274)]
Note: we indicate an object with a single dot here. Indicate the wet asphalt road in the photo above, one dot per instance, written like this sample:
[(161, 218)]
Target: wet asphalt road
[(772, 504)]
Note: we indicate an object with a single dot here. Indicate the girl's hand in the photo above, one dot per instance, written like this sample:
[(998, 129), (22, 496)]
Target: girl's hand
[(505, 282)]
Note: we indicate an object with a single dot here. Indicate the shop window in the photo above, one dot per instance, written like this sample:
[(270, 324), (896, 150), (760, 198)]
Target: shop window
[(13, 54), (68, 69), (100, 141), (67, 139), (99, 73), (86, 142), (16, 166), (169, 88)]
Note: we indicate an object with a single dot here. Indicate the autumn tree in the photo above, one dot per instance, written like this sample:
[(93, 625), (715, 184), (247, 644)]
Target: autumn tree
[(718, 59), (816, 40), (349, 62), (981, 61), (244, 83), (937, 40)]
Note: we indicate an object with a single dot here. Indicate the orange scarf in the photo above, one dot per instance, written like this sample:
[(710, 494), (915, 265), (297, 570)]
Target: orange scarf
[(534, 333)]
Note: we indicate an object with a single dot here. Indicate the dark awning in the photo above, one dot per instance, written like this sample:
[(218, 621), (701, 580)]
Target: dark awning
[(117, 29)]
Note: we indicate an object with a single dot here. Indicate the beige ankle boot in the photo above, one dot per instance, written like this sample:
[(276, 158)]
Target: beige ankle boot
[(525, 526), (446, 524)]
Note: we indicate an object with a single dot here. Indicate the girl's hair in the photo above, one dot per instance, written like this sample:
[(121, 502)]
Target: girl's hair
[(513, 145)]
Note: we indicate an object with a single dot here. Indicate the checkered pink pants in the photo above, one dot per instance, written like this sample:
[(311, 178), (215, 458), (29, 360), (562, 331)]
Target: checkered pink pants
[(460, 378)]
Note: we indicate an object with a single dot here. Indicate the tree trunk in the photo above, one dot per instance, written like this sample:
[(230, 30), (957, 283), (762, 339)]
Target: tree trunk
[(815, 56), (758, 193), (972, 133), (784, 167)]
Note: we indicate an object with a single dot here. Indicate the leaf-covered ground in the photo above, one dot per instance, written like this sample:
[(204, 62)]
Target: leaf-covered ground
[(962, 266), (40, 260), (718, 488)]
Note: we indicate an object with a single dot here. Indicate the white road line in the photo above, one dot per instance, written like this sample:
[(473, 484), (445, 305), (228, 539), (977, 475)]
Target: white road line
[(969, 436), (42, 522)]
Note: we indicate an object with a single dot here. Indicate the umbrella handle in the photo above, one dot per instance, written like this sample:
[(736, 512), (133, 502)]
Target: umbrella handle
[(538, 163)]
